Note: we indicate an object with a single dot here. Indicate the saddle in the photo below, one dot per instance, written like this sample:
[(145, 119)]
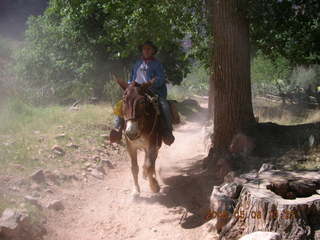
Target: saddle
[(153, 98), (115, 136)]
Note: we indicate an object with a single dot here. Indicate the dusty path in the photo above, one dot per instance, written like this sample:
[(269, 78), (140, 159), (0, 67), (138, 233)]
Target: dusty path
[(106, 210)]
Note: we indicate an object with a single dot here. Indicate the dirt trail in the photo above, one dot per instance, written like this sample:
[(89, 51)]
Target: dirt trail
[(106, 210)]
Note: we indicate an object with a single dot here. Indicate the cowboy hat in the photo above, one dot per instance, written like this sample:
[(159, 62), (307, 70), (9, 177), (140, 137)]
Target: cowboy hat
[(149, 43)]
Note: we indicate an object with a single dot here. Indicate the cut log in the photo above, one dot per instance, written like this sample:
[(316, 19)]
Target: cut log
[(277, 201)]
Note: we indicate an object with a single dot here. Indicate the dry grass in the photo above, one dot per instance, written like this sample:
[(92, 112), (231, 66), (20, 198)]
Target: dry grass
[(273, 111), (28, 133)]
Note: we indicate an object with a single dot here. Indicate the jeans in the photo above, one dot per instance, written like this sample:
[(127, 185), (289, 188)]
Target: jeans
[(165, 114)]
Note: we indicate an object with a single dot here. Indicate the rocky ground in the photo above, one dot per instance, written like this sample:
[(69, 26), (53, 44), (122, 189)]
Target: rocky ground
[(95, 201), (88, 195)]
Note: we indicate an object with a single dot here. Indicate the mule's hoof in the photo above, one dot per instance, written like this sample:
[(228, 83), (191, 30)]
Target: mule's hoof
[(145, 176), (135, 193), (145, 173), (155, 186)]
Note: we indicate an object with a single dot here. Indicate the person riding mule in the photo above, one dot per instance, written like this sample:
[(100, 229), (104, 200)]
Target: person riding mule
[(148, 72), (142, 130)]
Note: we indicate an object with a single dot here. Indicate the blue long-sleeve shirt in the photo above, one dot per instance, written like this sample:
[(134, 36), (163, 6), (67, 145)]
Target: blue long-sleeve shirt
[(155, 69)]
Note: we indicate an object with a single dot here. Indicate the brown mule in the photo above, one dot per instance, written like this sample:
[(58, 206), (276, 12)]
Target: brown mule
[(142, 132)]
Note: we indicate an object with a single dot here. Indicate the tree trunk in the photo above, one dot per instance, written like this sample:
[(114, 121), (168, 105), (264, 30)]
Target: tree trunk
[(276, 201), (230, 83)]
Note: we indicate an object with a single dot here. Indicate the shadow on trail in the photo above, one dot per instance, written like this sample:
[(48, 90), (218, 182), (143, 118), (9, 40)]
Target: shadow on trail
[(191, 110), (190, 190)]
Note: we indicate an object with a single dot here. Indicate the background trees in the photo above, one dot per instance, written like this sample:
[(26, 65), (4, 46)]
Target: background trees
[(72, 49), (75, 45)]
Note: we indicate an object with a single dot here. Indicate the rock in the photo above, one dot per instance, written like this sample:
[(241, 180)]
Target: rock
[(60, 136), (33, 200), (48, 190), (56, 149), (52, 176), (229, 177), (22, 205), (35, 187), (231, 190), (262, 235), (38, 176), (14, 188), (95, 173), (101, 169), (115, 145), (71, 145), (23, 182), (11, 223), (318, 191), (87, 164), (266, 167), (96, 158), (105, 136), (56, 205), (107, 163), (15, 225), (74, 108), (35, 194), (249, 176), (68, 177)]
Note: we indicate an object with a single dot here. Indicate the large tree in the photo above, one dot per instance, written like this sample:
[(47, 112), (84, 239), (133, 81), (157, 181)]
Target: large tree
[(230, 85), (231, 76)]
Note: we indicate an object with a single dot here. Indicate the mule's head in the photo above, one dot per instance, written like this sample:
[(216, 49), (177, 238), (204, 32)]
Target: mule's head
[(133, 109)]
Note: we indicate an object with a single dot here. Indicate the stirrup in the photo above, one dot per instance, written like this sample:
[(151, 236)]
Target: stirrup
[(115, 136)]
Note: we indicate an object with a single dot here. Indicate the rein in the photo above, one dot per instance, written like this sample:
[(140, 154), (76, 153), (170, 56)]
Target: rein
[(154, 102)]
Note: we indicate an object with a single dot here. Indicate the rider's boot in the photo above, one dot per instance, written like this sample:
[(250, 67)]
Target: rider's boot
[(116, 133), (166, 123)]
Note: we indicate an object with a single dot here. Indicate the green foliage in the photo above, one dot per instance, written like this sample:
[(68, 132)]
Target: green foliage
[(268, 75), (275, 75), (196, 82), (287, 28), (75, 41), (113, 91)]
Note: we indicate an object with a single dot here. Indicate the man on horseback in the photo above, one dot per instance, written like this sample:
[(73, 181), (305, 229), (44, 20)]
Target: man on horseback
[(149, 73)]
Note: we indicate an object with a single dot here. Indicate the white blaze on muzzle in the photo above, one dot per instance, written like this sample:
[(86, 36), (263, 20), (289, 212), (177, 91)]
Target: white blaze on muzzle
[(132, 129)]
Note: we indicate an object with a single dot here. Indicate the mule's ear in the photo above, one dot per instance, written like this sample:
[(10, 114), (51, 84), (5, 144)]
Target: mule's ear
[(121, 83)]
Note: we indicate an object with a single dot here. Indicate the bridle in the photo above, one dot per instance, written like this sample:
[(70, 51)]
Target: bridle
[(153, 99)]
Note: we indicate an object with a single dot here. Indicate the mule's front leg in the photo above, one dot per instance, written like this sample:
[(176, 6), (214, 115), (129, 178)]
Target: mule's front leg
[(149, 165), (134, 169)]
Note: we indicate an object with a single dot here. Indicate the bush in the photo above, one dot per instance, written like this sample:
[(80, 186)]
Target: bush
[(268, 75), (197, 81)]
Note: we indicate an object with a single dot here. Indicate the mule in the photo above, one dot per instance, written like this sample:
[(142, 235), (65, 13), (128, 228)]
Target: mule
[(142, 132)]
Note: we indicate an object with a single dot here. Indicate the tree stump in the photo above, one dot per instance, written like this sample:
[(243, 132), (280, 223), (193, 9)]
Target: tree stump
[(276, 201)]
